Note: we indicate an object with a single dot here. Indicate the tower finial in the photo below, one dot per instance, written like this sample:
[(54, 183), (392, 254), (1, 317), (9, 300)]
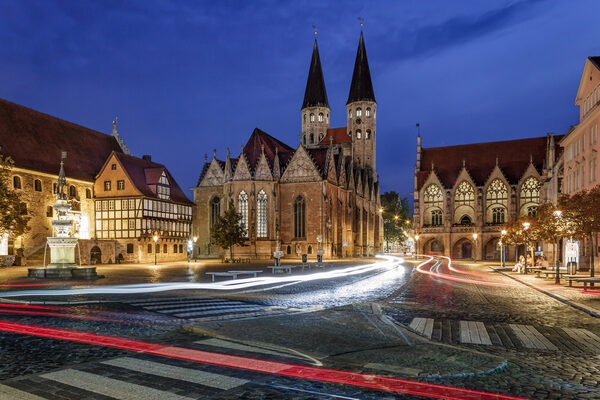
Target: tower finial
[(214, 153), (114, 131), (362, 22), (205, 157), (315, 27), (464, 163)]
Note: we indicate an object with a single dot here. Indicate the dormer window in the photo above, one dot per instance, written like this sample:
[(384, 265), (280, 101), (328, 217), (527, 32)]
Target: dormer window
[(163, 189)]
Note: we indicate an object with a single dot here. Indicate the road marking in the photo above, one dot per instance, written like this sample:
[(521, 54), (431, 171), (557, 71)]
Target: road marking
[(209, 308), (474, 332), (423, 326), (231, 311), (9, 393), (110, 387), (238, 346), (184, 304), (585, 338), (531, 338), (218, 381)]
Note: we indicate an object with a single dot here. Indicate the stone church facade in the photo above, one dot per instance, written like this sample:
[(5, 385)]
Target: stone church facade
[(321, 195)]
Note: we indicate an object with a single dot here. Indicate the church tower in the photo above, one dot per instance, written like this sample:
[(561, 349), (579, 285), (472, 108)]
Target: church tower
[(361, 108), (315, 107)]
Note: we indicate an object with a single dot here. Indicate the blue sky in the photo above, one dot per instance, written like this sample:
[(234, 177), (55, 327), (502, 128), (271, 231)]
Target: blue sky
[(186, 77)]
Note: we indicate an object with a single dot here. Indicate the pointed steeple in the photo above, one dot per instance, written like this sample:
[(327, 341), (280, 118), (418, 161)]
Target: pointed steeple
[(315, 94), (361, 88)]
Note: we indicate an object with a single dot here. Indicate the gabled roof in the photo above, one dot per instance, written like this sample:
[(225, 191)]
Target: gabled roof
[(339, 135), (145, 173), (315, 94), (35, 141), (255, 144), (319, 156), (513, 156), (361, 88)]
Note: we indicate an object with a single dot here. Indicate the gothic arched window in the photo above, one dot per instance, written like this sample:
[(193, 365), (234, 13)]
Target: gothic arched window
[(72, 192), (299, 217), (529, 196), (312, 117), (433, 201), (464, 195), (358, 134), (37, 185), (368, 112), (436, 218), (465, 220), (243, 209), (359, 112), (215, 210), (498, 215), (496, 197), (261, 214)]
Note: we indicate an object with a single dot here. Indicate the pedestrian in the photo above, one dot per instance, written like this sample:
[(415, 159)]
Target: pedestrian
[(519, 266)]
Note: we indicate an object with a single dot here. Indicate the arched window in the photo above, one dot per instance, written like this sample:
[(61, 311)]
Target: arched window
[(368, 112), (215, 210), (88, 194), (288, 250), (299, 217), (496, 197), (174, 248), (17, 182), (243, 210), (37, 185), (261, 214), (465, 220), (72, 192), (309, 250), (358, 112), (349, 113), (368, 134), (321, 117), (529, 197), (433, 202), (464, 195), (436, 218), (358, 134), (532, 211), (312, 117)]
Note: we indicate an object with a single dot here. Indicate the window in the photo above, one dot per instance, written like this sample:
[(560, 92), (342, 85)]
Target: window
[(321, 117), (358, 113), (88, 194), (532, 211), (113, 166), (165, 249), (309, 250), (157, 248), (312, 138), (49, 211), (304, 118), (131, 224), (593, 170), (130, 248), (498, 215), (72, 192), (368, 112), (496, 197), (149, 248), (432, 198), (593, 134), (174, 248), (120, 185), (37, 185), (464, 195), (436, 218), (261, 214), (215, 211), (181, 248), (106, 186), (17, 182), (243, 210), (312, 117), (299, 217), (529, 195), (358, 134), (465, 220), (349, 113), (368, 134)]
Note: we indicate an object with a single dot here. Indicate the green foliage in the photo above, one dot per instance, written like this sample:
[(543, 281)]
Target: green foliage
[(396, 217), (228, 230), (13, 218)]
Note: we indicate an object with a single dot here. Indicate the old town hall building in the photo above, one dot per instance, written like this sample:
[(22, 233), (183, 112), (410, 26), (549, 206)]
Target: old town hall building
[(324, 194)]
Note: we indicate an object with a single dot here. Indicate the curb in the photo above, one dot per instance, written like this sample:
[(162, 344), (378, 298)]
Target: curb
[(580, 307)]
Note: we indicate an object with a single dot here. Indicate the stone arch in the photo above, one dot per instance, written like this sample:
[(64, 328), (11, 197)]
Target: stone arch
[(95, 255), (433, 246), (491, 251), (463, 248)]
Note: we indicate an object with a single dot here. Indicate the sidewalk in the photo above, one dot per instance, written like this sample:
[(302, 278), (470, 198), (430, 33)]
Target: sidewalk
[(587, 301)]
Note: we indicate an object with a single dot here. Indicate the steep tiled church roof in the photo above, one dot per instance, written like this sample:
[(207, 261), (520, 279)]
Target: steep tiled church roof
[(361, 88), (595, 61), (254, 146), (315, 94), (513, 157), (35, 141), (339, 135)]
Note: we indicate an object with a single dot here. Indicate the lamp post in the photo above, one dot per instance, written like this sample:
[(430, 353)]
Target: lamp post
[(195, 239), (525, 227), (558, 216), (474, 247), (416, 246), (155, 238), (503, 249)]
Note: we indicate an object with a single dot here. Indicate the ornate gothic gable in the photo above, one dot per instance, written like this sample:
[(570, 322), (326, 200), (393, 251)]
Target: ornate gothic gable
[(433, 178), (263, 172), (497, 174), (300, 168), (530, 171), (214, 175), (242, 172), (464, 175)]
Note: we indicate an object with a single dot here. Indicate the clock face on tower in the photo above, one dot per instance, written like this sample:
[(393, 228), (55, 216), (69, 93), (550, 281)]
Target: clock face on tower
[(358, 120)]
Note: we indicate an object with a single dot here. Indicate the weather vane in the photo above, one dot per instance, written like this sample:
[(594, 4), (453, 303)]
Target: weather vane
[(362, 22), (315, 28)]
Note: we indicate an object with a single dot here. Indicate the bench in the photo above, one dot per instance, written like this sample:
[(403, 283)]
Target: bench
[(585, 280), (548, 272), (233, 274), (285, 268)]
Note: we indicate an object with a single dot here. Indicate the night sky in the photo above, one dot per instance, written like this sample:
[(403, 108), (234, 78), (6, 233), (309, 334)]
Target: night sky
[(187, 77)]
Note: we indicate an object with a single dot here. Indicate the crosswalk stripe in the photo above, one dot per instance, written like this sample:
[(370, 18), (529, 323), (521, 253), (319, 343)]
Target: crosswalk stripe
[(238, 346), (585, 338), (424, 326), (217, 312), (195, 308), (531, 338), (173, 302), (218, 381), (9, 393), (189, 304), (474, 332), (109, 387)]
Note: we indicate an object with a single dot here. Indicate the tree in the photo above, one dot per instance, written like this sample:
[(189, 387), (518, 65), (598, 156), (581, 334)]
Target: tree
[(13, 211), (396, 217), (229, 230), (524, 230)]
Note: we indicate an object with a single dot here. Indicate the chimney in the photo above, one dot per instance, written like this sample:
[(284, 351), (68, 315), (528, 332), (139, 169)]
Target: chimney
[(147, 157)]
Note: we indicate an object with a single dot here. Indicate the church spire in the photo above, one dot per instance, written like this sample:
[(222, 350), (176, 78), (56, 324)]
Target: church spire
[(361, 88), (315, 94)]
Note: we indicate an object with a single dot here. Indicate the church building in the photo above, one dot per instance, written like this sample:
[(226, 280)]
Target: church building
[(321, 195)]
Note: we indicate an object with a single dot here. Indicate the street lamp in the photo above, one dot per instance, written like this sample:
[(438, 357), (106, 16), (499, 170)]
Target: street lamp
[(194, 248), (475, 247), (526, 226), (155, 238), (502, 248), (558, 216), (416, 246)]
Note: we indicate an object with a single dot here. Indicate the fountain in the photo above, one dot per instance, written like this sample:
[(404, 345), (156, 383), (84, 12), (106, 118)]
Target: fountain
[(62, 243)]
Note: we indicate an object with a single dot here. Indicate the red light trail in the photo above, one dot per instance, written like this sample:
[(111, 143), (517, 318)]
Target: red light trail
[(449, 277), (290, 370)]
